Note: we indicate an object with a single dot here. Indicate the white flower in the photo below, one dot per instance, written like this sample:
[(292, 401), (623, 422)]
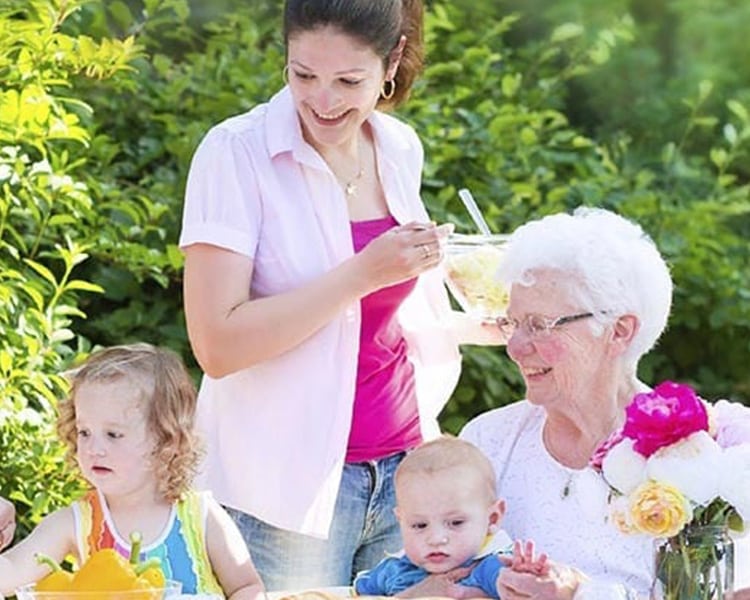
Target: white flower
[(692, 465), (623, 467), (734, 483), (732, 421)]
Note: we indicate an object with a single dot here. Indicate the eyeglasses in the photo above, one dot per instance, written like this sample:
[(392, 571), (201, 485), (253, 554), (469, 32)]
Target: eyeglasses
[(537, 326)]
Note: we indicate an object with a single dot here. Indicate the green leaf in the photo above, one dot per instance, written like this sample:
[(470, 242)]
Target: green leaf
[(739, 110), (566, 31), (86, 286), (730, 133), (510, 84), (42, 270), (705, 87)]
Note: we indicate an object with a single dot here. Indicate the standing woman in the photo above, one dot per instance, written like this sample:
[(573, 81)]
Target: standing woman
[(312, 302)]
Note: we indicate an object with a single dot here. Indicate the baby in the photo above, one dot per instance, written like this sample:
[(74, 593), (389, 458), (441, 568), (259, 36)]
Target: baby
[(450, 518)]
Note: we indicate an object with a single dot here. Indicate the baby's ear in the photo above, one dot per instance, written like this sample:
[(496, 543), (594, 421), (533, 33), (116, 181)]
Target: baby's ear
[(497, 512)]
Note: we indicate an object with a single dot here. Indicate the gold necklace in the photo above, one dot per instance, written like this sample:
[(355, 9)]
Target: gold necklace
[(350, 187)]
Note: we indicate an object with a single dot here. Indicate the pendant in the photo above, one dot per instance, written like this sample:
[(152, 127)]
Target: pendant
[(567, 487), (351, 189)]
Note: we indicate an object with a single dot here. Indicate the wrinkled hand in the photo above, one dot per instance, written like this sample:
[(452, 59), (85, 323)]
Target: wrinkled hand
[(7, 522), (560, 583), (445, 585), (402, 252)]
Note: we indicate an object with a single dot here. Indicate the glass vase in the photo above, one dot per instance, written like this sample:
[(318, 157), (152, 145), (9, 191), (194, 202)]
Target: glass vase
[(696, 564)]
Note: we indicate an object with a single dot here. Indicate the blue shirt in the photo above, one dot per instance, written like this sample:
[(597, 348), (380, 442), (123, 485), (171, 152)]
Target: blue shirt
[(394, 574)]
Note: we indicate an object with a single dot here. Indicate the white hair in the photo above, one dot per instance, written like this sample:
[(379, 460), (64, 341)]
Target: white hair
[(613, 268)]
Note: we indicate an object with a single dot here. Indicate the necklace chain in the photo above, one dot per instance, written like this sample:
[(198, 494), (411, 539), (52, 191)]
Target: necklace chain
[(350, 187), (571, 473)]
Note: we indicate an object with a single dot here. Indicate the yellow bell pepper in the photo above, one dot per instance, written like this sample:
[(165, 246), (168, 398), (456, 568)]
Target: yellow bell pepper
[(151, 572), (104, 571), (107, 571), (57, 581)]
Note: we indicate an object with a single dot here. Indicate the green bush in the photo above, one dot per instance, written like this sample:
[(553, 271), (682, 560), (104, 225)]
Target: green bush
[(46, 212)]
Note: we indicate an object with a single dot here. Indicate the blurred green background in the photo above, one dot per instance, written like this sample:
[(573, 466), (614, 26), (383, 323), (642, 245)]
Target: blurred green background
[(536, 106)]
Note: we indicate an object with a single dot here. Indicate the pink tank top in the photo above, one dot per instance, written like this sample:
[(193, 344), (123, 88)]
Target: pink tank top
[(385, 418)]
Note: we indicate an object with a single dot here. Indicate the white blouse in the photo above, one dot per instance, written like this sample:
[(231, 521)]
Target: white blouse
[(564, 511)]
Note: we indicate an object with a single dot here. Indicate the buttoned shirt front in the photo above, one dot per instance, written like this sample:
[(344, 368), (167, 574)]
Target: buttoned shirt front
[(276, 432)]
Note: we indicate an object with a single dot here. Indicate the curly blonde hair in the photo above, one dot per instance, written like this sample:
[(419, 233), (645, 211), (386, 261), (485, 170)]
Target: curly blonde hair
[(168, 397)]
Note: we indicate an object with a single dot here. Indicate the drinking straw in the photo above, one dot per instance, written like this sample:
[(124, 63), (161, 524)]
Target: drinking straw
[(474, 211)]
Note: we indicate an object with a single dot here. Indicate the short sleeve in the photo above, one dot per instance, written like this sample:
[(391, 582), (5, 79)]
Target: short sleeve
[(484, 575), (222, 198), (389, 577)]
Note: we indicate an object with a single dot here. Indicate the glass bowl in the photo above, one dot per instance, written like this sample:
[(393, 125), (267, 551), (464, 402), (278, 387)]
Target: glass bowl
[(171, 589), (470, 265)]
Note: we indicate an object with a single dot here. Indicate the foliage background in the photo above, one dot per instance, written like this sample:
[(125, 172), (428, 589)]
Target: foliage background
[(637, 106)]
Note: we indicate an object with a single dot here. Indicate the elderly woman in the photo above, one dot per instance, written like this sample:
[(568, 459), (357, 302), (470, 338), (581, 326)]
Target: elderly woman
[(590, 294)]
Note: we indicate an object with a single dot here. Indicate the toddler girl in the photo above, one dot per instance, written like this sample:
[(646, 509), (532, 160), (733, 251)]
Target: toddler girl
[(128, 424)]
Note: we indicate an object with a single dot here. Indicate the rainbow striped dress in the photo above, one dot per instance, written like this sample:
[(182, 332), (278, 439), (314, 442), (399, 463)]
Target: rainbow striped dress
[(181, 546)]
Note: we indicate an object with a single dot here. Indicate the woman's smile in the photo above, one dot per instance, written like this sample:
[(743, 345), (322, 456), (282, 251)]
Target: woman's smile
[(330, 119)]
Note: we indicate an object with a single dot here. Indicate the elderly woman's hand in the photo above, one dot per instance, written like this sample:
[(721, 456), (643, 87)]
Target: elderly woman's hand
[(444, 585), (560, 583)]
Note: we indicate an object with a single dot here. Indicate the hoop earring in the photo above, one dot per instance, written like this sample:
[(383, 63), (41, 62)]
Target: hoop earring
[(285, 74), (391, 89)]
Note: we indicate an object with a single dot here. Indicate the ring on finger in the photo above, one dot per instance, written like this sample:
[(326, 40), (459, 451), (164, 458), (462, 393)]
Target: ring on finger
[(425, 251)]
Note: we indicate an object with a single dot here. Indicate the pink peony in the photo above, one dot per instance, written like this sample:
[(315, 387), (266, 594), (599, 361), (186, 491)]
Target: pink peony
[(664, 416)]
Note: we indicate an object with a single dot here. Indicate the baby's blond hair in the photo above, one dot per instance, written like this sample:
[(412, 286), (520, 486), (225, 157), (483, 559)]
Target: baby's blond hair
[(167, 396), (448, 452)]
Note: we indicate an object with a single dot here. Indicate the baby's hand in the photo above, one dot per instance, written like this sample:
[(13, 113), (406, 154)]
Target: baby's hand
[(524, 561)]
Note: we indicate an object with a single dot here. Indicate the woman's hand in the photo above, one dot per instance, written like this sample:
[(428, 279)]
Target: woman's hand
[(560, 583), (444, 585), (7, 522), (401, 253)]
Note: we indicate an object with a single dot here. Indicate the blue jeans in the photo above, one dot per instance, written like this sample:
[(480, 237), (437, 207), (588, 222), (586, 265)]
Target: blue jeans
[(364, 528)]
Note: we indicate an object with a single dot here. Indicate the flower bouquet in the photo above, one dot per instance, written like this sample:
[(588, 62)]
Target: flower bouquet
[(679, 470)]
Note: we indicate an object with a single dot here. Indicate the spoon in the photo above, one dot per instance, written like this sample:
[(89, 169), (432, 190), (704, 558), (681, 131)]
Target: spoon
[(474, 211)]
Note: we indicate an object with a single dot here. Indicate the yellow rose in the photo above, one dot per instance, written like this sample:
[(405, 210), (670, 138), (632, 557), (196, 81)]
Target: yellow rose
[(658, 509)]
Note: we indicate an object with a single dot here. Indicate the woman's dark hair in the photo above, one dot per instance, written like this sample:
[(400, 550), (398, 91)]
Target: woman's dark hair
[(379, 24)]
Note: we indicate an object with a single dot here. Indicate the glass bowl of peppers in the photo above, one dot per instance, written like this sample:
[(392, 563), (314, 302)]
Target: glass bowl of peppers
[(170, 589), (106, 575), (470, 270)]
